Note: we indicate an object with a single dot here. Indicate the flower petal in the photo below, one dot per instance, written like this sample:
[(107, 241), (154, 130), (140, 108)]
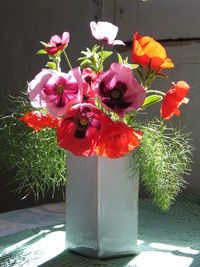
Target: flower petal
[(38, 121), (173, 99), (117, 139), (146, 50), (119, 91), (79, 130), (105, 31)]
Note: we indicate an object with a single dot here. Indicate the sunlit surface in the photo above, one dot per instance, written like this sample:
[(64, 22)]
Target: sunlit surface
[(159, 259), (161, 255), (140, 242), (185, 250), (36, 249), (58, 226)]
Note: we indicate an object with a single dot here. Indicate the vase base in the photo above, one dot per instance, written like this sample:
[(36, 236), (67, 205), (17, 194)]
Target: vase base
[(91, 253)]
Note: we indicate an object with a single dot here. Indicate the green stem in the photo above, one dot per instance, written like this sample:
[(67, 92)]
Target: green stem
[(101, 59), (155, 91), (67, 59)]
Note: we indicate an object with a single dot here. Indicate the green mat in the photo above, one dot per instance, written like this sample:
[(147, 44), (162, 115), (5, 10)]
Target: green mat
[(164, 239)]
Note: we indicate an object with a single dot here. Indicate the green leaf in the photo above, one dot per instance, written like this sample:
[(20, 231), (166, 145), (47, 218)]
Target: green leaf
[(120, 58), (140, 75), (51, 65), (84, 53), (161, 75), (133, 66), (95, 48), (152, 99), (44, 44), (41, 52), (126, 60), (85, 62), (81, 58), (106, 54)]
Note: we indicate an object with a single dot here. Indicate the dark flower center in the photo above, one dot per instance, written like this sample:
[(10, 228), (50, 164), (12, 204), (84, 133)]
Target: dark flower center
[(116, 93), (113, 97), (85, 98), (60, 88), (83, 121), (88, 79), (58, 44)]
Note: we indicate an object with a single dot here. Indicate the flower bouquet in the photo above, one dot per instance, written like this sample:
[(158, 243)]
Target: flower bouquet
[(92, 112)]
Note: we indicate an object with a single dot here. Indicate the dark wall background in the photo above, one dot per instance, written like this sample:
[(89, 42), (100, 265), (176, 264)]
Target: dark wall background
[(23, 23)]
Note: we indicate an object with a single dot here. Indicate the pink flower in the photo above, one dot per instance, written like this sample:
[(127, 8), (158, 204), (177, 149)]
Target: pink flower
[(57, 43), (119, 91), (56, 90), (105, 31)]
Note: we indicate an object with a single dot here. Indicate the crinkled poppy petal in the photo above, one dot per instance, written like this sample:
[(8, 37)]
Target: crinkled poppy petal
[(146, 50), (55, 39), (52, 50), (182, 89), (117, 139), (79, 130), (173, 99), (35, 88), (38, 121), (65, 38)]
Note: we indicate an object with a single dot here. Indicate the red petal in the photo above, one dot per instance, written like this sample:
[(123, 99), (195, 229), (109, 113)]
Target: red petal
[(145, 49), (37, 120), (117, 140), (67, 128), (173, 99)]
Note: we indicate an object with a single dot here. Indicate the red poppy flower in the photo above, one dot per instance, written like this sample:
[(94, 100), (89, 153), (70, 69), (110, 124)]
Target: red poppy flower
[(146, 50), (89, 92), (79, 130), (57, 43), (117, 139), (37, 120), (173, 99)]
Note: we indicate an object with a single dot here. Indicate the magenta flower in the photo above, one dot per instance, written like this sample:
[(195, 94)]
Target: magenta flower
[(56, 90), (119, 91), (57, 43), (105, 31)]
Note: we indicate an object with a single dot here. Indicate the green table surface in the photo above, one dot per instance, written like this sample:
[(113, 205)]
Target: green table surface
[(164, 239)]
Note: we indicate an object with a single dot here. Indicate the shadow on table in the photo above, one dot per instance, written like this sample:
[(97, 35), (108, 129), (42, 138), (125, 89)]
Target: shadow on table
[(70, 259)]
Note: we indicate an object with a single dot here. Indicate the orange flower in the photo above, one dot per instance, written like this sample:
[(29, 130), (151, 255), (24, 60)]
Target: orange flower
[(37, 120), (173, 99), (146, 50), (117, 140)]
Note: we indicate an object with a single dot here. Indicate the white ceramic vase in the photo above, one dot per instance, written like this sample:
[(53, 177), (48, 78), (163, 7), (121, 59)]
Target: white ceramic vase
[(101, 206)]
